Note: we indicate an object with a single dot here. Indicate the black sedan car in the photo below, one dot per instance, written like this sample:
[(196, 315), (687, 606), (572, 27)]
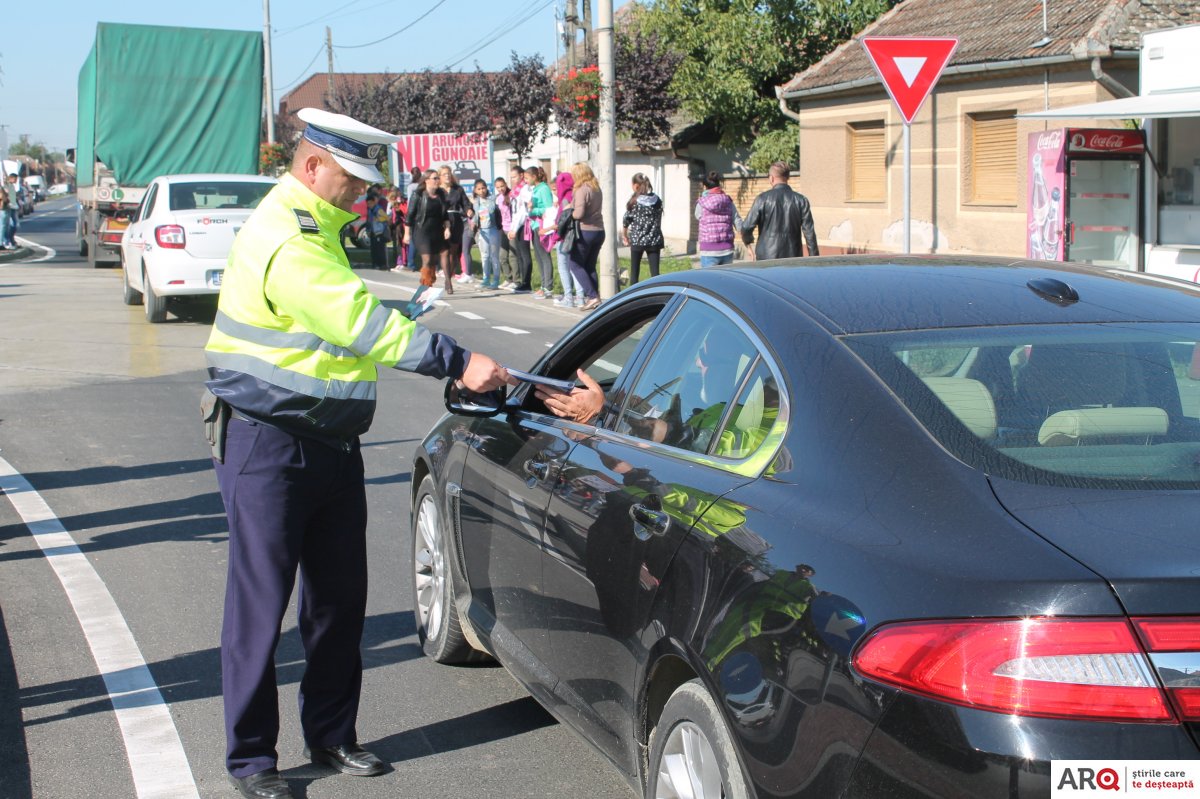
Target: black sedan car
[(844, 527)]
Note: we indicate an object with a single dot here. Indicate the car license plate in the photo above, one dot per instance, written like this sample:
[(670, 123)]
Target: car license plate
[(215, 278)]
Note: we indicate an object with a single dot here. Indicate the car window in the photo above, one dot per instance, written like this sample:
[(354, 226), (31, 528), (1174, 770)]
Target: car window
[(1082, 405), (604, 353), (147, 203), (684, 393), (212, 195)]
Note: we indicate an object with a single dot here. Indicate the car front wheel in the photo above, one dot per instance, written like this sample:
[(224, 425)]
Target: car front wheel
[(438, 626), (691, 750)]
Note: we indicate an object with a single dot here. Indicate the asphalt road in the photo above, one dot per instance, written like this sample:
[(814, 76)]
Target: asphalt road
[(99, 413)]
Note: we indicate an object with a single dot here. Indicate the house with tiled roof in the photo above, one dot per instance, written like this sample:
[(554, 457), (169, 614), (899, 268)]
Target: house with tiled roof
[(968, 143)]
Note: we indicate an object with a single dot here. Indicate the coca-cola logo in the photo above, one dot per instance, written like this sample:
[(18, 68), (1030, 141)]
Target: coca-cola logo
[(1050, 140), (1104, 141), (1110, 142)]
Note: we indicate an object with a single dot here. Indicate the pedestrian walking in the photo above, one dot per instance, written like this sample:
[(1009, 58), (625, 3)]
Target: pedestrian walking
[(572, 292), (377, 227), (719, 222), (293, 355), (398, 209), (782, 216), (415, 184), (588, 211), (458, 208), (518, 235), (642, 227), (486, 222), (541, 224), (11, 205), (508, 256), (428, 226)]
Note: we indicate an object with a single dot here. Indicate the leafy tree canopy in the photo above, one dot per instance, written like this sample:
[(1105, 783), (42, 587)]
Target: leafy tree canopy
[(735, 52)]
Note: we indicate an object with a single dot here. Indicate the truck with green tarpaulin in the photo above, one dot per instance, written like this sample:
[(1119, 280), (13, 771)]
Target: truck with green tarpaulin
[(160, 101)]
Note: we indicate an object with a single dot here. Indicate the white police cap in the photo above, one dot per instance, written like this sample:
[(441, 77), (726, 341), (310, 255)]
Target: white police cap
[(355, 146)]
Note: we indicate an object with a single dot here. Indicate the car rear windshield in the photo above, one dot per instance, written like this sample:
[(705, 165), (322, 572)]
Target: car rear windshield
[(1104, 405), (212, 195)]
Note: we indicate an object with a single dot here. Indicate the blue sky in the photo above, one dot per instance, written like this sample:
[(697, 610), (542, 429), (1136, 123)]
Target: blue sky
[(42, 46)]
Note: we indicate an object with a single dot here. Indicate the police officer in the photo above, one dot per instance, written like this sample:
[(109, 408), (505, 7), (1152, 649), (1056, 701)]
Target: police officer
[(293, 352)]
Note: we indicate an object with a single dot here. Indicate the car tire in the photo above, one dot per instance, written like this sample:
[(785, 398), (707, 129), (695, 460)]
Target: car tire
[(131, 295), (156, 306), (439, 628), (692, 742)]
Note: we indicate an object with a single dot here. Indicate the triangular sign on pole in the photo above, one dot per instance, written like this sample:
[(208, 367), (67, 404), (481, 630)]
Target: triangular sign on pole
[(909, 67)]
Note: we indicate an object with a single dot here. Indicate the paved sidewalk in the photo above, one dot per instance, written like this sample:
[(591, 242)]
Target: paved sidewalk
[(15, 255)]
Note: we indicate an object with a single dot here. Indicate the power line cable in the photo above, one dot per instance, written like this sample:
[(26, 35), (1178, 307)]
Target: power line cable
[(287, 86), (390, 35), (324, 16), (506, 24), (502, 33)]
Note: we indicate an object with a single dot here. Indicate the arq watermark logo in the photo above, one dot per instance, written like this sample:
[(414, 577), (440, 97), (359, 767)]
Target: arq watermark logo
[(1082, 778)]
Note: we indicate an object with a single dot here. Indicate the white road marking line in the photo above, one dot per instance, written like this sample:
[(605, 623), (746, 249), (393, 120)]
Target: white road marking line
[(156, 758), (50, 252), (468, 315), (514, 330), (405, 289), (609, 365)]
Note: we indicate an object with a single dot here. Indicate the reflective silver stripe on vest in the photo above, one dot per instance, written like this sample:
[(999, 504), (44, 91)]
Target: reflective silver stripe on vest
[(277, 339), (292, 381), (371, 331), (418, 345)]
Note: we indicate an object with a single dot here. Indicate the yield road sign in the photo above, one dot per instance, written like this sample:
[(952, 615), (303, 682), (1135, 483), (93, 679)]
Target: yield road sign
[(909, 67)]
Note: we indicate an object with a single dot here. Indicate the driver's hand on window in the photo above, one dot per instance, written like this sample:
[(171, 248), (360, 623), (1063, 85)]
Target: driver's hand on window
[(582, 404)]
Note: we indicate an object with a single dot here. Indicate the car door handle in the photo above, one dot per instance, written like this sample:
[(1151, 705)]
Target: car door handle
[(539, 470), (653, 522)]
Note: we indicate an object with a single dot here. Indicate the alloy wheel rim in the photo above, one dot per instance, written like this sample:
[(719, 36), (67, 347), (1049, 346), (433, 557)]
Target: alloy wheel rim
[(430, 574), (689, 768)]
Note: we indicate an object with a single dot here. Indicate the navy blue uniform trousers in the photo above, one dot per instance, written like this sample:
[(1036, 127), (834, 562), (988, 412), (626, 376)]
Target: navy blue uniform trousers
[(291, 502)]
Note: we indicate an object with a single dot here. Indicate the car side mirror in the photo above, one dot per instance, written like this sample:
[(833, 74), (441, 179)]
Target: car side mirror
[(461, 401)]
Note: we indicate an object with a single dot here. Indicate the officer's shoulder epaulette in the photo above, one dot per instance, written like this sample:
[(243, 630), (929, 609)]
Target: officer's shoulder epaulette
[(306, 221)]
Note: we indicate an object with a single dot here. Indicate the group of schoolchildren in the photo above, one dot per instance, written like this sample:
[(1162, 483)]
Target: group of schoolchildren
[(433, 226)]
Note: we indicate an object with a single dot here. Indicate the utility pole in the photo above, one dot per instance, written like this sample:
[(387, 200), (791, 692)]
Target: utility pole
[(270, 90), (329, 51), (606, 155)]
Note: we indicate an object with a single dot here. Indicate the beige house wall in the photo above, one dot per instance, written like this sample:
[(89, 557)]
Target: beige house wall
[(944, 218)]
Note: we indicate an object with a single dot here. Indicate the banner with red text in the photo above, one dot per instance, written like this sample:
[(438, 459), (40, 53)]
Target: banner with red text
[(469, 156)]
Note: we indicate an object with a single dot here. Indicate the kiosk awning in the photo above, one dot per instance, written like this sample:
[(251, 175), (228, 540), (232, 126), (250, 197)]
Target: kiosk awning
[(1156, 106)]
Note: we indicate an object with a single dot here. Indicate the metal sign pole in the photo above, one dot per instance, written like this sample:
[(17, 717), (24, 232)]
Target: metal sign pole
[(907, 188)]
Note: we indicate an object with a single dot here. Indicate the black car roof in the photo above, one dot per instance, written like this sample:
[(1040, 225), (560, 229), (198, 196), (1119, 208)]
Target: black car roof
[(861, 294)]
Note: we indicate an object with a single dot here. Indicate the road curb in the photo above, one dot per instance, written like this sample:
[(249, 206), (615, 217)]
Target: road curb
[(14, 255)]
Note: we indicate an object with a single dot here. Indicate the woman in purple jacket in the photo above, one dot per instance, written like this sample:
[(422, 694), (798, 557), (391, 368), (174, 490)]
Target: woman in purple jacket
[(719, 222)]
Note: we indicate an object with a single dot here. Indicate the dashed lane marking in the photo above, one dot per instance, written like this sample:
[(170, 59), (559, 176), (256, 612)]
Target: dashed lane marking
[(156, 758), (468, 315), (516, 331)]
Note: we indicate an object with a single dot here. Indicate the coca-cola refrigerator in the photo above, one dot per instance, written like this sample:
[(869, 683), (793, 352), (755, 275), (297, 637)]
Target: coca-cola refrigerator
[(1085, 196)]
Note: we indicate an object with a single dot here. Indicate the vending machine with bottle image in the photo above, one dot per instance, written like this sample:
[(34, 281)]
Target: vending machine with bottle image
[(1085, 196)]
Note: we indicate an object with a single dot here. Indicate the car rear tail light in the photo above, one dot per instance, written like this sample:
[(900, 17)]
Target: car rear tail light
[(1174, 647), (169, 236), (1048, 667), (113, 237)]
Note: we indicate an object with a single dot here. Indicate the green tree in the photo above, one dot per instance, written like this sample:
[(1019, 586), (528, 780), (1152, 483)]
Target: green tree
[(735, 52)]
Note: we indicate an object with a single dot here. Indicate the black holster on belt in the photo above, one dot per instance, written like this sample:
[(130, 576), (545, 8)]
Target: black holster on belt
[(215, 413)]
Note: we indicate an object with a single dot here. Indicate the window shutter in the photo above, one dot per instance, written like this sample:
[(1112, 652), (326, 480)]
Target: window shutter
[(868, 161), (994, 158)]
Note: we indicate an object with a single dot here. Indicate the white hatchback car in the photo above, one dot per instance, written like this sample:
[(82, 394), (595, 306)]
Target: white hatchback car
[(180, 238)]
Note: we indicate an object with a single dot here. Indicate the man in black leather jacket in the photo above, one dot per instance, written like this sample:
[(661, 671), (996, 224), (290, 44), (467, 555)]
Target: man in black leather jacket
[(781, 215)]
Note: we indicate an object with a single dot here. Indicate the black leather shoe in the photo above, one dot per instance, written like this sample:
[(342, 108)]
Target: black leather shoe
[(263, 785), (347, 758)]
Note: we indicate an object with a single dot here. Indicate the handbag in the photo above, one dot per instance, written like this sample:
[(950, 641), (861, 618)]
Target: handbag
[(564, 221), (567, 240)]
